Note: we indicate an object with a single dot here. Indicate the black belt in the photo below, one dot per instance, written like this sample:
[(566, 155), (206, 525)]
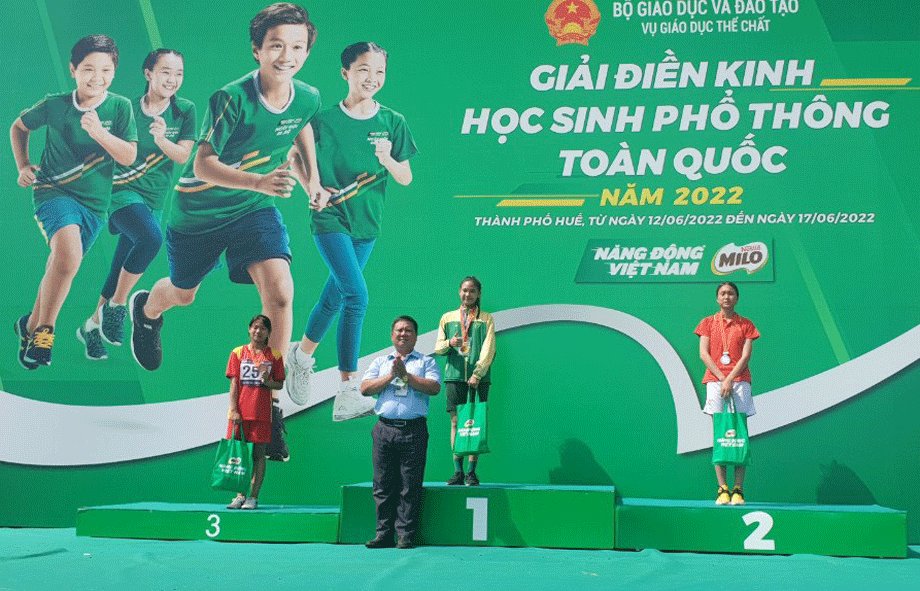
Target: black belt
[(402, 422)]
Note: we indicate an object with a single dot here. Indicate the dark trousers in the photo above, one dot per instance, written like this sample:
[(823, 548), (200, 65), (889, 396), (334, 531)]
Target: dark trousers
[(399, 469), (138, 244)]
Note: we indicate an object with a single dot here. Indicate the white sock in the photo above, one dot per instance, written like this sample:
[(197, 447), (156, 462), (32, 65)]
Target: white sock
[(90, 324), (113, 303), (302, 356)]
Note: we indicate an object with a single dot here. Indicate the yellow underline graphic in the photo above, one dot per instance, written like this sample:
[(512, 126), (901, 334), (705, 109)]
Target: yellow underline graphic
[(865, 81), (540, 203), (533, 200), (856, 84), (836, 88)]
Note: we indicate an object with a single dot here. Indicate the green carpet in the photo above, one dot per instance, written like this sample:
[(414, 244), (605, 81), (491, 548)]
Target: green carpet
[(41, 559)]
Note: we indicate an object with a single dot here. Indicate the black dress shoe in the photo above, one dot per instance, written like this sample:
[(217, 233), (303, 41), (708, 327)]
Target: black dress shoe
[(380, 542), (404, 544)]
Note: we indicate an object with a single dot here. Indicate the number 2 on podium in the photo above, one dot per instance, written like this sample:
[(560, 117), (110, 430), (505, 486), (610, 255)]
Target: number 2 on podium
[(480, 508), (756, 540)]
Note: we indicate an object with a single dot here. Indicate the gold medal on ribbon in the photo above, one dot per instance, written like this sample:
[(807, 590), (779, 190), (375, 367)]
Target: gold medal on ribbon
[(465, 320)]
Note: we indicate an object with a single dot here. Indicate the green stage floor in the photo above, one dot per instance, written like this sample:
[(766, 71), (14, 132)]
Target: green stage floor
[(41, 559)]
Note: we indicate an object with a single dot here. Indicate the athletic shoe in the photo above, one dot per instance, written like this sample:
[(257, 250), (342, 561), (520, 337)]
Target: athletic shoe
[(724, 497), (92, 340), (145, 333), (472, 479), (299, 372), (404, 544), (251, 503), (380, 542), (237, 502), (22, 331), (350, 404), (38, 350), (456, 479), (737, 496), (113, 323)]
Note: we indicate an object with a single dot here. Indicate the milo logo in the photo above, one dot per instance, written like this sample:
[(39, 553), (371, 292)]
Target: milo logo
[(748, 257)]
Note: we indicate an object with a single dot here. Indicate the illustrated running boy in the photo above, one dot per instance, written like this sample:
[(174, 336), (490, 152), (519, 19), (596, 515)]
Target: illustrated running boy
[(225, 199), (88, 131)]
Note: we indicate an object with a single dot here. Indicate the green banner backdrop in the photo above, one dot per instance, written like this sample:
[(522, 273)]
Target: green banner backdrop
[(600, 167)]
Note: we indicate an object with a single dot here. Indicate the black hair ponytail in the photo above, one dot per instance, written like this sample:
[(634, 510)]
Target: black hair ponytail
[(150, 62)]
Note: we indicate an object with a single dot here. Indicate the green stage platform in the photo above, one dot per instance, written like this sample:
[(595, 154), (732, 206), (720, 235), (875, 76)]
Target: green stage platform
[(496, 515), (761, 528), (585, 517), (167, 521)]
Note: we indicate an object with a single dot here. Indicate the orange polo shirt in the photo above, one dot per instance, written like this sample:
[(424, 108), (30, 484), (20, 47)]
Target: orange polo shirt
[(737, 331)]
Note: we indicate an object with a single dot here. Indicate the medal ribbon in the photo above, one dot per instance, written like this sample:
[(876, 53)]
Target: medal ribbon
[(466, 319), (722, 322)]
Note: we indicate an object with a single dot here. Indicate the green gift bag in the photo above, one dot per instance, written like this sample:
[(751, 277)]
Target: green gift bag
[(233, 464), (730, 444), (472, 427)]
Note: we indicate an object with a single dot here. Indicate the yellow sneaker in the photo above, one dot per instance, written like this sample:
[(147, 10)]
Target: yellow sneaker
[(724, 497), (737, 496), (39, 350)]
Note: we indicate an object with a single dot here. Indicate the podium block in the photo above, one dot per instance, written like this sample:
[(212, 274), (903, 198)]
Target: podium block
[(167, 521), (761, 528), (495, 515)]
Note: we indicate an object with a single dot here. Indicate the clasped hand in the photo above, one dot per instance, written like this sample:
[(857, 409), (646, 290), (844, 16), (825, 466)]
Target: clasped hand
[(399, 369)]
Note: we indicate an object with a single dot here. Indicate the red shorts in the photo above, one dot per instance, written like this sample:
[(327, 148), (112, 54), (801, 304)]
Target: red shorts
[(254, 431)]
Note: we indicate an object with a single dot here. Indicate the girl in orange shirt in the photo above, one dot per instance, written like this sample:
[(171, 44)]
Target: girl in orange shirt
[(725, 348)]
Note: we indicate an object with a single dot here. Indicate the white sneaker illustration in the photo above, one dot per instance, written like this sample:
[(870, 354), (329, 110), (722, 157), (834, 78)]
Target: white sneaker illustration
[(350, 404), (300, 368)]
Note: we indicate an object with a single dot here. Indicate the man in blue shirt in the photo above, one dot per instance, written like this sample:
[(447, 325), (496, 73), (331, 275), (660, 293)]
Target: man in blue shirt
[(404, 380)]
